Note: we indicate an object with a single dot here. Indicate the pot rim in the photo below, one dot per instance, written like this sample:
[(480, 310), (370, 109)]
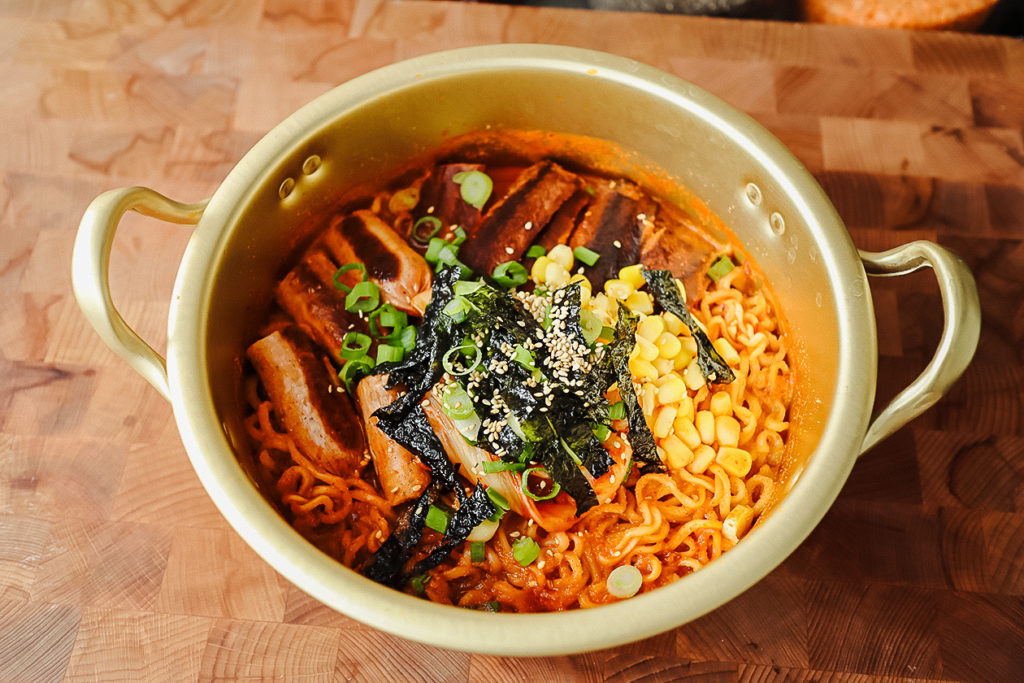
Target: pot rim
[(767, 545)]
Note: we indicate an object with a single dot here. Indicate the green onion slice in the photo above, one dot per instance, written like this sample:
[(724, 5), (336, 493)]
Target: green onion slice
[(386, 316), (456, 403), (601, 432), (476, 551), (492, 466), (338, 284), (458, 235), (457, 309), (510, 274), (475, 187), (354, 345), (525, 550), (451, 355), (364, 297), (536, 251), (407, 338), (419, 583), (492, 606), (624, 581), (587, 256), (498, 500), (434, 247), (423, 235), (354, 370), (386, 353), (437, 519), (722, 266), (591, 325), (555, 488), (465, 288), (617, 411)]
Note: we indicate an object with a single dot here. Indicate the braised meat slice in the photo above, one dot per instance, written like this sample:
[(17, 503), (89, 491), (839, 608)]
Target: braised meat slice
[(401, 474), (309, 296), (441, 196), (320, 420), (613, 227), (511, 224), (673, 242), (403, 276)]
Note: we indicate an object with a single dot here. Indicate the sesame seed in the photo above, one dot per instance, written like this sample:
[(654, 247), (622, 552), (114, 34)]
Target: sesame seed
[(509, 250), (618, 244), (528, 225), (514, 534)]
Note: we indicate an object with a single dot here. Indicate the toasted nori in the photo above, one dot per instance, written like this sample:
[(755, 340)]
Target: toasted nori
[(666, 294), (472, 511), (640, 438), (393, 554)]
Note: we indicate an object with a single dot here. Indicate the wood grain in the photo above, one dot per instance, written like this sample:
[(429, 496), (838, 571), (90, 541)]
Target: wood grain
[(114, 565)]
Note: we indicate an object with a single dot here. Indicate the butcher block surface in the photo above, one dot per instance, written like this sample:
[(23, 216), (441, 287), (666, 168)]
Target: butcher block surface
[(115, 565)]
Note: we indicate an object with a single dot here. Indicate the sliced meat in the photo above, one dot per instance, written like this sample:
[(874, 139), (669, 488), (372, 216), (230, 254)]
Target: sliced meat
[(441, 196), (403, 276), (563, 223), (613, 227), (308, 294), (509, 226), (401, 474), (672, 242), (323, 423)]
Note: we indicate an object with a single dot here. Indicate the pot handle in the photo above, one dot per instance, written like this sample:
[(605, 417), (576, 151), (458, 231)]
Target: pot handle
[(90, 263), (962, 313)]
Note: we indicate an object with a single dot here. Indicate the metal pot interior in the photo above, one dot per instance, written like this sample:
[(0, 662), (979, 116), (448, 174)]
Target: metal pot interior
[(363, 131)]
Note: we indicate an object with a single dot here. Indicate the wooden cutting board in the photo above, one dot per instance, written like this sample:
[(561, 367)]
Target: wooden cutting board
[(114, 565)]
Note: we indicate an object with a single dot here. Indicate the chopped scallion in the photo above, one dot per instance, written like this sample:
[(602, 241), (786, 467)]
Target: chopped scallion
[(510, 274), (722, 266), (590, 323), (536, 251), (452, 355), (419, 583), (434, 248), (423, 234), (407, 338), (457, 309), (475, 187), (458, 235), (364, 297), (386, 353), (476, 551), (545, 480), (617, 411), (498, 500), (437, 519), (341, 286), (354, 345), (465, 288), (492, 466), (525, 550), (586, 256), (602, 432), (354, 370), (386, 316), (457, 403)]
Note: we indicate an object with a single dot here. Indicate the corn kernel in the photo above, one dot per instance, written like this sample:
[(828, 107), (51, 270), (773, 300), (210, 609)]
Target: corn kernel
[(648, 351), (663, 421), (721, 403), (599, 304), (673, 324), (702, 457), (540, 266), (648, 398), (650, 328), (663, 366), (686, 408), (618, 289), (737, 523), (562, 255), (634, 275), (669, 345), (686, 431), (677, 454), (726, 351), (642, 369), (682, 358), (735, 461), (705, 423), (691, 375), (671, 388), (555, 275), (640, 302), (727, 430)]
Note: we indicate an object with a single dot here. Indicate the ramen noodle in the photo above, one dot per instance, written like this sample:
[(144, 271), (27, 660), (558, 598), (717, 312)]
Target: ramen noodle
[(520, 385)]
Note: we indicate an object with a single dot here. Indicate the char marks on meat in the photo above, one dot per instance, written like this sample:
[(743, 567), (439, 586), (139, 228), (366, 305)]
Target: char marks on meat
[(613, 227), (674, 243), (297, 381), (534, 198), (440, 195)]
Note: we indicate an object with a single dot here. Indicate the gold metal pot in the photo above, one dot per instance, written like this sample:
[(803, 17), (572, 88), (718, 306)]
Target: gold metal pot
[(372, 124)]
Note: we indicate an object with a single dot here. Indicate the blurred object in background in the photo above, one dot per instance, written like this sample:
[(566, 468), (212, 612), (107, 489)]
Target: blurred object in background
[(957, 15), (747, 9)]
